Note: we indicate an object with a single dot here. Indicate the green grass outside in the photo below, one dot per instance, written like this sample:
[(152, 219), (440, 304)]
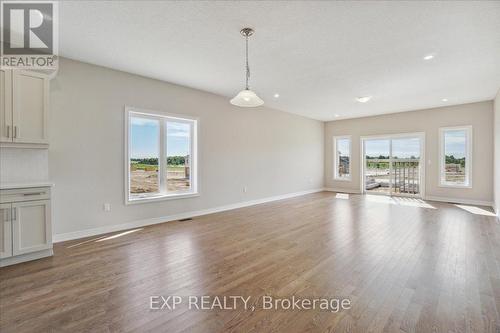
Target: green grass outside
[(139, 166), (378, 165)]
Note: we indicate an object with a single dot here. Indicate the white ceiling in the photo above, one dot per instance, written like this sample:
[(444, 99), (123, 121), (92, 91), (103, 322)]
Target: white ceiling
[(319, 56)]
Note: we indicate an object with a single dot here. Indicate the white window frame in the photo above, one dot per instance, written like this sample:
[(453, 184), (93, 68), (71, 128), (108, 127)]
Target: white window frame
[(336, 175), (468, 157), (163, 194)]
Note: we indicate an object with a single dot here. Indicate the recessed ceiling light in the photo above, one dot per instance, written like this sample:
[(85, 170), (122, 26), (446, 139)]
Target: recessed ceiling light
[(276, 95), (445, 100), (364, 99), (336, 116), (429, 57)]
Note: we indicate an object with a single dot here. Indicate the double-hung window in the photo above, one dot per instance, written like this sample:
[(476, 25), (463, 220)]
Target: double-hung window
[(161, 156), (342, 158), (455, 156)]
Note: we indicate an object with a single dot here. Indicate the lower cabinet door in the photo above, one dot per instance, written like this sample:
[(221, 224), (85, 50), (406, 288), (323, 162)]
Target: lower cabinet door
[(30, 226), (5, 231)]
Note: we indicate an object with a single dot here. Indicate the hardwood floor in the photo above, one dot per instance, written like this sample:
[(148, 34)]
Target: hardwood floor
[(405, 265)]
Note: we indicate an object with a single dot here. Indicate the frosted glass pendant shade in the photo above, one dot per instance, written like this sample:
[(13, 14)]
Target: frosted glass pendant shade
[(247, 99)]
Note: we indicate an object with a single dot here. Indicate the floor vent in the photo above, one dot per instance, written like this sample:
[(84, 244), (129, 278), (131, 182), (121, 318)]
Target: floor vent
[(188, 219)]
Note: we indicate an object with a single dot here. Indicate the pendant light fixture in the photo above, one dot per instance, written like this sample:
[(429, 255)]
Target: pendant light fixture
[(247, 98)]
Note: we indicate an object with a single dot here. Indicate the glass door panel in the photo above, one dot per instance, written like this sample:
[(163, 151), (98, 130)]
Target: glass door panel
[(405, 166), (377, 166)]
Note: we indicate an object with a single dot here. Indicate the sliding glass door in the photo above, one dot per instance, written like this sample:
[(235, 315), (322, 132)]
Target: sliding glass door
[(377, 173), (405, 161), (393, 165)]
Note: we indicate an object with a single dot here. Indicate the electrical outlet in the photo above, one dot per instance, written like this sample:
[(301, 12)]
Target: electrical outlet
[(107, 207), (244, 189)]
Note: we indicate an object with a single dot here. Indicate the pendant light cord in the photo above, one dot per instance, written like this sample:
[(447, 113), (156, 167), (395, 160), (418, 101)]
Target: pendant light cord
[(247, 67)]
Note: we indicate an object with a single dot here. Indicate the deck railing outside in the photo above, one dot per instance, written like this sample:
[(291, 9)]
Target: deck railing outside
[(405, 176)]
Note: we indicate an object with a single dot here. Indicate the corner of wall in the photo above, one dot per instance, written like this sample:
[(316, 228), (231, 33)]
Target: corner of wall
[(496, 159), (325, 184)]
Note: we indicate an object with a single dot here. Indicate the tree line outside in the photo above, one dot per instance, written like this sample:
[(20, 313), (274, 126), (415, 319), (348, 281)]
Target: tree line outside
[(449, 159), (380, 165), (151, 163), (382, 157)]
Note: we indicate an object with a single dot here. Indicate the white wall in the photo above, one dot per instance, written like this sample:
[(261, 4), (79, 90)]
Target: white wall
[(271, 152), (479, 115), (497, 153)]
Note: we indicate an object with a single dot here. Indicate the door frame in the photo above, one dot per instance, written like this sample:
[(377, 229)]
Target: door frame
[(420, 135)]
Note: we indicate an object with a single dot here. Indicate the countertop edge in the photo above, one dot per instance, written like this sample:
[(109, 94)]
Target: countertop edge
[(10, 186)]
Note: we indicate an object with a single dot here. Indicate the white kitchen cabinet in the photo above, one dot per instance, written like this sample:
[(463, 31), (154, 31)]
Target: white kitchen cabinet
[(26, 232), (5, 105), (5, 231), (30, 230), (24, 108)]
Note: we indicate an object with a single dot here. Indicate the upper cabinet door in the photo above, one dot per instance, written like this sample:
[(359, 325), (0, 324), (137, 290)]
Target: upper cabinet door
[(5, 231), (30, 107), (6, 128)]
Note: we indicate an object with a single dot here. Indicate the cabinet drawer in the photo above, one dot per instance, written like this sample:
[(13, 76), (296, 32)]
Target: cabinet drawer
[(25, 194)]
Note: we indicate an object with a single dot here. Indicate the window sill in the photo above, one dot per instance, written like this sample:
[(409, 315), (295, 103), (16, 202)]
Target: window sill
[(455, 186), (342, 179), (161, 197)]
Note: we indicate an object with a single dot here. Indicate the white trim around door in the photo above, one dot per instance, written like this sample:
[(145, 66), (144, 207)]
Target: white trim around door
[(390, 137)]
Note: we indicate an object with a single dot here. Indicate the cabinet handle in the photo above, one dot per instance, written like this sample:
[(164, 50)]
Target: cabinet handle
[(34, 193), (8, 131), (14, 214)]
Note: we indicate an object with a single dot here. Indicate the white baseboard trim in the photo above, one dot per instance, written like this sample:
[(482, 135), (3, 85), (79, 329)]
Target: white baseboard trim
[(342, 190), (156, 220), (26, 257), (459, 201)]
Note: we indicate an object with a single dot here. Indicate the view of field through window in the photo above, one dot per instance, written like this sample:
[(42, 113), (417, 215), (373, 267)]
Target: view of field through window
[(455, 150), (145, 156), (377, 177), (178, 146), (343, 157)]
